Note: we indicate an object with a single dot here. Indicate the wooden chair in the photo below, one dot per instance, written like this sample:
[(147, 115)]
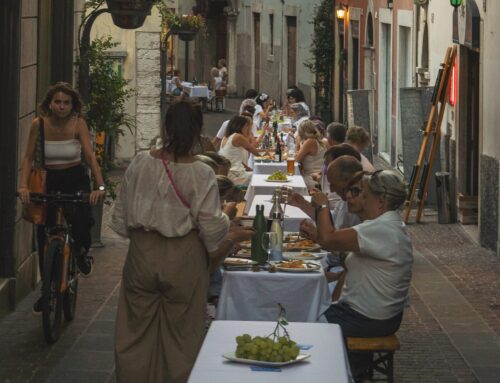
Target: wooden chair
[(383, 349), (219, 99)]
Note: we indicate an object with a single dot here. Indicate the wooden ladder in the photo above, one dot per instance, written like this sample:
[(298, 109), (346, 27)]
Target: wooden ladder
[(422, 170)]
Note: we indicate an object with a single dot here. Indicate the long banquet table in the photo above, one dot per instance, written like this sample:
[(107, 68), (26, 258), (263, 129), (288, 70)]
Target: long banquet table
[(327, 364), (293, 215), (248, 295), (259, 185)]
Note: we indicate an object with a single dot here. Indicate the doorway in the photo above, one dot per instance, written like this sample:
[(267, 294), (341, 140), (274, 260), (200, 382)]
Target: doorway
[(404, 81), (469, 122), (384, 96), (291, 36)]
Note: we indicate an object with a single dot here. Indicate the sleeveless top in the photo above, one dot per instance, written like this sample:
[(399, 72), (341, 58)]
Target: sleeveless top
[(63, 152), (237, 155), (313, 163)]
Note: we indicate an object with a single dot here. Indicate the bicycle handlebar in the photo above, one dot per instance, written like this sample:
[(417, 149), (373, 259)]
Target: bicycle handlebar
[(78, 197)]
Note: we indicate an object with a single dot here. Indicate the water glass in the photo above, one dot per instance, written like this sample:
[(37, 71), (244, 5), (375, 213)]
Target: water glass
[(269, 242)]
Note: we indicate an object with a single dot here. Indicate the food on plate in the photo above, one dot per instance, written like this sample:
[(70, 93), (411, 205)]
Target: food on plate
[(279, 349), (307, 256), (291, 238), (231, 261), (265, 157), (294, 264), (277, 176), (302, 244)]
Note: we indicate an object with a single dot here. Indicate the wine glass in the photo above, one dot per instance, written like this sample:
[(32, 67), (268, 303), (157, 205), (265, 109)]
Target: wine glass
[(269, 242)]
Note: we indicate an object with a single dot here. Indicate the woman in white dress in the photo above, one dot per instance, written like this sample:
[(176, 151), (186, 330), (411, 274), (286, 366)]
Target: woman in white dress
[(312, 150), (169, 207), (236, 147)]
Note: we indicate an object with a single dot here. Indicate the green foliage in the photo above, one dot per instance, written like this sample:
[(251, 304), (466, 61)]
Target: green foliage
[(173, 20), (322, 49), (105, 111)]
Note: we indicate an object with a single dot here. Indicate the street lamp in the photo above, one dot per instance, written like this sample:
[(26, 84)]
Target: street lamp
[(456, 3), (340, 12), (127, 14)]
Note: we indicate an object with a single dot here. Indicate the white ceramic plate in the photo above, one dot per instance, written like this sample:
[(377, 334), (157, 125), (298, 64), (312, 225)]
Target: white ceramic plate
[(289, 247), (232, 357), (311, 267), (303, 256), (232, 261), (268, 180)]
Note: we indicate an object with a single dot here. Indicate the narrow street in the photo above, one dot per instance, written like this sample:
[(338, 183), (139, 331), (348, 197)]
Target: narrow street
[(450, 331)]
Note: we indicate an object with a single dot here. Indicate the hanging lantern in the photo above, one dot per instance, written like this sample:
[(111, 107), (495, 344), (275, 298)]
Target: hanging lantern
[(129, 14), (456, 3), (340, 12)]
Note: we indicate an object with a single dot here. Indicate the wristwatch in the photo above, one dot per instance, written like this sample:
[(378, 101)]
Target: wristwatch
[(318, 208), (101, 188)]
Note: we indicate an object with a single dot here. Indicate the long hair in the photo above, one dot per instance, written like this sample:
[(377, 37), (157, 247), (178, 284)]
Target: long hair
[(236, 125), (308, 130), (182, 128), (67, 89)]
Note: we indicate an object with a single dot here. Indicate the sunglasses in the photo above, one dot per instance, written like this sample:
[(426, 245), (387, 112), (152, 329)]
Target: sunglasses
[(354, 190)]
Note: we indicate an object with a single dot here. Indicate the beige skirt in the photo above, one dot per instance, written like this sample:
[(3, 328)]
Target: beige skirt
[(161, 310)]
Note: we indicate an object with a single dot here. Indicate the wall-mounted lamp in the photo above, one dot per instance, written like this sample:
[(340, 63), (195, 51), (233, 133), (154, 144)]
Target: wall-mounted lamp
[(389, 4), (340, 12), (456, 3)]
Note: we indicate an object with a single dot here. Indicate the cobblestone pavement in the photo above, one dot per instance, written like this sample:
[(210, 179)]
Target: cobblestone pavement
[(430, 348)]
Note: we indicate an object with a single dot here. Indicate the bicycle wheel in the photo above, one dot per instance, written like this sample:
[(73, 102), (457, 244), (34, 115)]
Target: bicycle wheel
[(51, 295), (69, 296)]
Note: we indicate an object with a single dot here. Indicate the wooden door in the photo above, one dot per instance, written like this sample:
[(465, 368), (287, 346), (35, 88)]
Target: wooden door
[(256, 49), (291, 32), (472, 152)]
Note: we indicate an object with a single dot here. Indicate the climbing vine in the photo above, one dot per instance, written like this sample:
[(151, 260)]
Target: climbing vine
[(321, 63)]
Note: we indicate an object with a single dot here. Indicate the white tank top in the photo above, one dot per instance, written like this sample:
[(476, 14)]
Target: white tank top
[(63, 152)]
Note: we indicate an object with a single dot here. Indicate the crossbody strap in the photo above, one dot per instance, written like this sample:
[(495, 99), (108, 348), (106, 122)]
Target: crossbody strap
[(42, 143), (171, 178)]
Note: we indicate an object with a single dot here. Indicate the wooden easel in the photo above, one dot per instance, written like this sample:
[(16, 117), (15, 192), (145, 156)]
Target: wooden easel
[(421, 171)]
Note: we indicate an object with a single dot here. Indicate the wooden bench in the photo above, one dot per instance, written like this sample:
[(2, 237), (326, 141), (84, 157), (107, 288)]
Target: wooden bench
[(383, 349)]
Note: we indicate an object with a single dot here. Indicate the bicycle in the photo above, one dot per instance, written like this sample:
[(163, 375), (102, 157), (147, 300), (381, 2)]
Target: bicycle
[(60, 272)]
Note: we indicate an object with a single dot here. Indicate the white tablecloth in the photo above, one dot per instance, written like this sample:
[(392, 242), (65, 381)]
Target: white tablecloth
[(271, 167), (293, 215), (259, 185), (327, 364), (248, 295), (196, 90)]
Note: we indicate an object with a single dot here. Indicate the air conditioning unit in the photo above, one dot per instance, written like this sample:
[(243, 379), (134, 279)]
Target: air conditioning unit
[(421, 2)]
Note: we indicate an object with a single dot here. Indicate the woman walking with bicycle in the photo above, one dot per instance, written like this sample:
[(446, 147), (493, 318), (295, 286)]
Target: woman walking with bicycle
[(61, 135), (169, 208)]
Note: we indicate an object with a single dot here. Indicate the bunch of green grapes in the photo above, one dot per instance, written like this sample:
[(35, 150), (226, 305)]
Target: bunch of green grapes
[(266, 349), (277, 176)]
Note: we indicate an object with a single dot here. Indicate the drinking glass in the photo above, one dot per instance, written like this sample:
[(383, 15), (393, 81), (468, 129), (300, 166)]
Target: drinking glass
[(269, 242), (290, 165)]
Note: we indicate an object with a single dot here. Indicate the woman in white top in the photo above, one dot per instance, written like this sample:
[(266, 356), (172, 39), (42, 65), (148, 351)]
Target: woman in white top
[(380, 259), (236, 147), (262, 108), (311, 152), (64, 135), (216, 83), (169, 208)]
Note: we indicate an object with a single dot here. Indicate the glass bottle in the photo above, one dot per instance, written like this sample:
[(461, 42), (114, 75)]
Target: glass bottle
[(277, 253), (276, 199), (259, 225)]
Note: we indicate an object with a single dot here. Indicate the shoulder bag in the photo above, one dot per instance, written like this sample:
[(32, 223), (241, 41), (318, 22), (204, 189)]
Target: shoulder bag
[(37, 212)]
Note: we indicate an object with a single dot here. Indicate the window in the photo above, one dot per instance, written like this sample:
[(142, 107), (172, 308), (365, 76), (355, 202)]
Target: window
[(271, 29)]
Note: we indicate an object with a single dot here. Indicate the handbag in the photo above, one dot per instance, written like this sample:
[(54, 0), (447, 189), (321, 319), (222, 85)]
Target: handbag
[(37, 212)]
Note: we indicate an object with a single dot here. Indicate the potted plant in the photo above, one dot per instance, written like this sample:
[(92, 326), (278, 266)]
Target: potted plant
[(184, 26), (106, 116)]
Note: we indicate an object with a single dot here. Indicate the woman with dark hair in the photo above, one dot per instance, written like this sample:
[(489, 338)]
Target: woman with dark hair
[(65, 137), (262, 109), (169, 207), (295, 96), (236, 147)]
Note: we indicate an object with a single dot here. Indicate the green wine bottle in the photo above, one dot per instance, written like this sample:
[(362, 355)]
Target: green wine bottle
[(259, 225)]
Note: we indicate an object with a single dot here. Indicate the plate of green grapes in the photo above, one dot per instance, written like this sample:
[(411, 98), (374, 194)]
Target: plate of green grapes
[(276, 349), (278, 177)]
